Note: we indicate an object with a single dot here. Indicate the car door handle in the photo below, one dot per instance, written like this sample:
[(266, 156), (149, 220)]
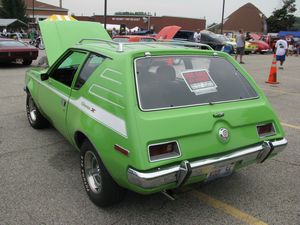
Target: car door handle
[(63, 102)]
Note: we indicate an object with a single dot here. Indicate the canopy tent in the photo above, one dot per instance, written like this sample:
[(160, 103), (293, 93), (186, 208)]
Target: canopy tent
[(60, 18), (289, 33), (12, 23)]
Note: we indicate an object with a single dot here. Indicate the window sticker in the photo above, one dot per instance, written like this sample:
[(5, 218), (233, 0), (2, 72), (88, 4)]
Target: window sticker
[(199, 81)]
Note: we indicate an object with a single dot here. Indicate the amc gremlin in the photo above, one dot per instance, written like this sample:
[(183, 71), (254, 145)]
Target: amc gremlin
[(148, 117)]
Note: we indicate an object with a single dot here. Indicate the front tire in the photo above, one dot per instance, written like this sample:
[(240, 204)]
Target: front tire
[(35, 118), (98, 183)]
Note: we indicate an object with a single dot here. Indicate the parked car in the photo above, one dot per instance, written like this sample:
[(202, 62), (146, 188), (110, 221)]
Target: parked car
[(229, 46), (133, 38), (262, 47), (212, 40), (175, 32), (16, 51), (249, 47), (148, 126), (270, 40)]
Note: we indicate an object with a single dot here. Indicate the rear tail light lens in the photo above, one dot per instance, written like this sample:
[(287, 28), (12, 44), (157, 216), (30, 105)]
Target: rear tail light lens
[(266, 130), (163, 151)]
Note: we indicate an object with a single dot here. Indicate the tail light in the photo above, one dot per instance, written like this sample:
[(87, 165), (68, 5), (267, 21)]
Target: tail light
[(265, 130), (163, 151)]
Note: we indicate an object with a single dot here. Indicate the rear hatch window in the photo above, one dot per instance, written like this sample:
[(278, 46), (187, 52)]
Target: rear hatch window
[(181, 81)]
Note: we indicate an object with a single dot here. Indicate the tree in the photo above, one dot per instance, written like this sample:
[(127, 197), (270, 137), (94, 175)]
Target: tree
[(15, 9), (282, 19)]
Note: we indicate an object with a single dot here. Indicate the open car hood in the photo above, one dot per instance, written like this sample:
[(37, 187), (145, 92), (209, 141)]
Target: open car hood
[(58, 36), (167, 32)]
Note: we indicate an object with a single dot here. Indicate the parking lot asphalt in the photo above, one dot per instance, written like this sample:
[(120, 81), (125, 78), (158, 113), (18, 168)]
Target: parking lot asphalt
[(40, 180)]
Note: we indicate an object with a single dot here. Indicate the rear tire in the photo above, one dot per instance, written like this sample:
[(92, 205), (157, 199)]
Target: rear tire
[(98, 183), (35, 118)]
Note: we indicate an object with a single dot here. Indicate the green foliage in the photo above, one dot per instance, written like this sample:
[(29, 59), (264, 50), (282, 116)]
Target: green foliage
[(133, 13), (14, 9), (296, 25), (282, 19)]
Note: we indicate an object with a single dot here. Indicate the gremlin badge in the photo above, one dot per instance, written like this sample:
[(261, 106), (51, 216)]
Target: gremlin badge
[(223, 134)]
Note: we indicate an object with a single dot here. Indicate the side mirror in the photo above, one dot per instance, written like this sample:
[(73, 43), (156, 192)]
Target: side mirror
[(44, 76)]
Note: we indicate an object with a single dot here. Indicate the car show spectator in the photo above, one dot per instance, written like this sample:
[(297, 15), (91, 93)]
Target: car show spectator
[(291, 43), (114, 32), (281, 50), (4, 32), (240, 45), (297, 46), (197, 36)]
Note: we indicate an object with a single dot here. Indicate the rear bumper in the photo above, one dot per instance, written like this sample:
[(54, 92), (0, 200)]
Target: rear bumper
[(179, 174)]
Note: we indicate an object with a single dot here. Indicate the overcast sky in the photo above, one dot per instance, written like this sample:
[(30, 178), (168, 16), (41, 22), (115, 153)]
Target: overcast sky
[(209, 9)]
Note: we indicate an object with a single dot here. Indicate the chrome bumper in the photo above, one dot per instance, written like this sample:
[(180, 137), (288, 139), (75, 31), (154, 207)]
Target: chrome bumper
[(179, 174)]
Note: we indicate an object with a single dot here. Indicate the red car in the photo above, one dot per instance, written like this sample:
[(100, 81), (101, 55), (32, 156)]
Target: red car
[(133, 38), (270, 40), (262, 47), (16, 51)]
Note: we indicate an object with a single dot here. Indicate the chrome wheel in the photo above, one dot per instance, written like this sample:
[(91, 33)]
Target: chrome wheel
[(31, 110), (92, 172)]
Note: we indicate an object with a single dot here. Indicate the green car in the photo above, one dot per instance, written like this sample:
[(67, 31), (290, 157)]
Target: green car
[(148, 117)]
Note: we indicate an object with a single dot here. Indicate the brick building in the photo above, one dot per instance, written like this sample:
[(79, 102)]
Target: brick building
[(147, 22), (248, 17), (43, 10)]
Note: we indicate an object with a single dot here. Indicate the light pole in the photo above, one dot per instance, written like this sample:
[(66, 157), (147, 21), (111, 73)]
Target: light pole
[(222, 17), (105, 13)]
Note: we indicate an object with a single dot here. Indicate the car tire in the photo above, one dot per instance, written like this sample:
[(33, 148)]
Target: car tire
[(27, 62), (41, 46), (35, 118), (99, 185)]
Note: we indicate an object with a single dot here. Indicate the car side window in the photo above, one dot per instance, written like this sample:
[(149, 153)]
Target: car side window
[(66, 71), (92, 63)]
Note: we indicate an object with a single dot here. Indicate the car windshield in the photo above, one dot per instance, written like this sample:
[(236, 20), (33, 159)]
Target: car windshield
[(11, 44), (179, 81)]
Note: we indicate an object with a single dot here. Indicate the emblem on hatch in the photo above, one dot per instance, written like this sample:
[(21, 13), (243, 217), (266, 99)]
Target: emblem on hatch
[(223, 134)]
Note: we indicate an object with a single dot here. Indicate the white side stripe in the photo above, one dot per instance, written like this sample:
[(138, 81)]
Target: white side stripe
[(102, 116), (95, 112)]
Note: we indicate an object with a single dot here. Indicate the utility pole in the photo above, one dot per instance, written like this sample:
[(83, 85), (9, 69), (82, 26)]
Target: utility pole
[(222, 24), (105, 13), (33, 18), (60, 3)]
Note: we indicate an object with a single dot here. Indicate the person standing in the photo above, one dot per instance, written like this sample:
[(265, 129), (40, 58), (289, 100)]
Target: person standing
[(281, 50), (240, 45), (291, 44), (114, 32), (297, 45), (197, 36)]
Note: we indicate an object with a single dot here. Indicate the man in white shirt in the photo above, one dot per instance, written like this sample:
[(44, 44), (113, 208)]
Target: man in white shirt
[(281, 50), (197, 36)]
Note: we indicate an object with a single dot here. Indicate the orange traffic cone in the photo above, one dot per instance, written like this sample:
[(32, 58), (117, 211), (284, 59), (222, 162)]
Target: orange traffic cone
[(273, 72)]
